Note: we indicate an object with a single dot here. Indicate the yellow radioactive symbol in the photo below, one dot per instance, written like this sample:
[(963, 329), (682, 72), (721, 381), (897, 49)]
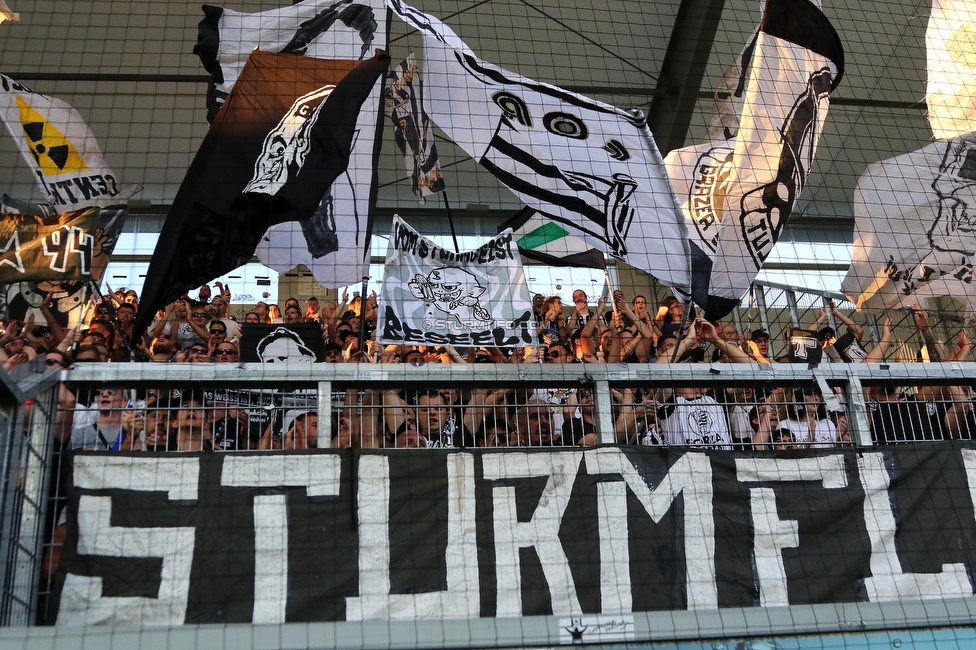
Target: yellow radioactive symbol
[(54, 153)]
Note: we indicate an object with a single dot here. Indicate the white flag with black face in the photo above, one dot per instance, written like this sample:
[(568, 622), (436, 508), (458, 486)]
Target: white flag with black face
[(333, 242), (950, 92), (739, 194), (433, 296), (584, 164), (915, 227)]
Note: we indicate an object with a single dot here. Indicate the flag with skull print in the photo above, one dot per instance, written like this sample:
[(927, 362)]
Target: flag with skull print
[(586, 165), (334, 241), (284, 135), (434, 296)]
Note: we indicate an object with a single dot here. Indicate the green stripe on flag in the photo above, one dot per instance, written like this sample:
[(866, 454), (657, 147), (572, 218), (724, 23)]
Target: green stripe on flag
[(541, 236)]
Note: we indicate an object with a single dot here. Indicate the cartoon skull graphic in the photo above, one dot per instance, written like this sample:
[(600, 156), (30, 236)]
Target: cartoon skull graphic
[(454, 291)]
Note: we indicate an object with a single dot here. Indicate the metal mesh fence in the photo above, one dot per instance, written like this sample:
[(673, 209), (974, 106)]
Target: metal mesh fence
[(27, 415), (172, 412), (128, 70), (170, 419)]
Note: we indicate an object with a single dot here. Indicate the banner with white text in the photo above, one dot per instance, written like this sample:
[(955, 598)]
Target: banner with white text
[(435, 296), (433, 535)]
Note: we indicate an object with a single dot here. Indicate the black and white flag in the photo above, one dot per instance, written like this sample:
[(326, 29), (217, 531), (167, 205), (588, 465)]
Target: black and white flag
[(584, 164), (284, 136), (731, 89), (60, 149), (915, 228), (61, 256), (413, 130), (433, 296), (739, 194), (730, 95), (287, 343), (333, 243), (321, 29)]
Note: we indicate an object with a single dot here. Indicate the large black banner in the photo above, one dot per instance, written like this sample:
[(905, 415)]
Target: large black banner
[(605, 532)]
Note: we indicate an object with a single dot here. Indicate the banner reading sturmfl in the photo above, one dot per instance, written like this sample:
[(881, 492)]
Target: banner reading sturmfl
[(433, 296), (271, 538)]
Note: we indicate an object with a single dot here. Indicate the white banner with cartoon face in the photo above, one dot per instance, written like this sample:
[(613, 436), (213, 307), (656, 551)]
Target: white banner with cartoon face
[(434, 296)]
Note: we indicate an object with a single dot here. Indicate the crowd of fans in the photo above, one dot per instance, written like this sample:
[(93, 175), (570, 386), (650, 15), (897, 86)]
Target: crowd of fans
[(202, 330)]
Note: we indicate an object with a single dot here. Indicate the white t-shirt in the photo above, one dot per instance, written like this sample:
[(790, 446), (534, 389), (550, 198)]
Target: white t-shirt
[(698, 422), (740, 425), (185, 334), (824, 435)]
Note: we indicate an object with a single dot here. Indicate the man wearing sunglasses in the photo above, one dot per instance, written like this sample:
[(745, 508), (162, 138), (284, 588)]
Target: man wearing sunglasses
[(55, 359), (199, 321), (196, 353), (217, 331), (226, 352), (557, 353)]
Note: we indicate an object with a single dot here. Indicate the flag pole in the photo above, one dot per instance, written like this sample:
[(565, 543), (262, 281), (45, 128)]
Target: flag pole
[(450, 220), (85, 308), (613, 303), (362, 313)]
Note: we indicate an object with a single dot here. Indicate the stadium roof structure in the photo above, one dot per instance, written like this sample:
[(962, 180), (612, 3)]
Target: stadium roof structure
[(128, 68)]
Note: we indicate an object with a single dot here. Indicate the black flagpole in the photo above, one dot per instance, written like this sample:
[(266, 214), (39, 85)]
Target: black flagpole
[(362, 314), (450, 220)]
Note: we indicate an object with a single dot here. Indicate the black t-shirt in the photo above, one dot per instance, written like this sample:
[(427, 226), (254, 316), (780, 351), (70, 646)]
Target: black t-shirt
[(454, 434), (575, 428), (227, 435), (904, 420), (849, 349)]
